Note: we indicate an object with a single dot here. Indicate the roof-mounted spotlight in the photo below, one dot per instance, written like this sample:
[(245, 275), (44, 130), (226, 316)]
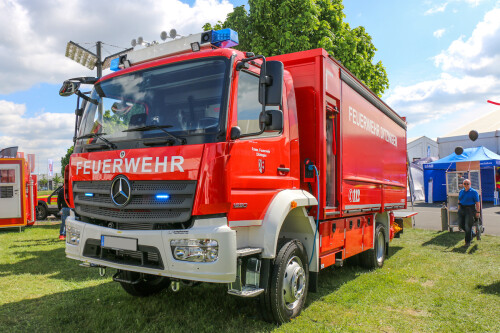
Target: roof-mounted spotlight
[(195, 47), (81, 55), (173, 33), (133, 42), (163, 36)]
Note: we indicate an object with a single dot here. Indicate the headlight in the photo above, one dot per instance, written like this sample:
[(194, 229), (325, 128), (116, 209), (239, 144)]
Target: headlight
[(72, 235), (195, 250)]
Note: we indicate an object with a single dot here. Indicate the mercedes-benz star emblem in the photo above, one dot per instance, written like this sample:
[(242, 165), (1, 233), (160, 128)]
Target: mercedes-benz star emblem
[(120, 191)]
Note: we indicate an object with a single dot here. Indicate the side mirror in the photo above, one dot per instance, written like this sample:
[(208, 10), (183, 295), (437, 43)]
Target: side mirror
[(271, 120), (235, 133), (273, 79), (69, 88)]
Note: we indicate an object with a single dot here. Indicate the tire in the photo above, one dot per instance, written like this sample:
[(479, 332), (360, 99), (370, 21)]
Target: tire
[(375, 258), (147, 286), (41, 212), (285, 296), (479, 229)]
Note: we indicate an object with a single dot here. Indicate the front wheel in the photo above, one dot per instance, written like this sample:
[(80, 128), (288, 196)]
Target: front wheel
[(287, 290), (144, 286)]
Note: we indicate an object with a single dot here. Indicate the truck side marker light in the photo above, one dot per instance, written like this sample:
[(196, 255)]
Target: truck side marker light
[(89, 194), (293, 204), (163, 196)]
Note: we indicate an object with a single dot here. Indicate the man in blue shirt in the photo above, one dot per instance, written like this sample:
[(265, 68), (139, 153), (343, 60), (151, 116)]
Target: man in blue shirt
[(469, 206)]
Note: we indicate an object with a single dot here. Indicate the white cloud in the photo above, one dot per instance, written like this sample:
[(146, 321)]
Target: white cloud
[(436, 9), (470, 76), (47, 135), (35, 33), (431, 100), (478, 55), (441, 8), (439, 33)]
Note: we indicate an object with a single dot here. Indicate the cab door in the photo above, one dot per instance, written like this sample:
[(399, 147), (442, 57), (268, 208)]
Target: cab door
[(259, 164)]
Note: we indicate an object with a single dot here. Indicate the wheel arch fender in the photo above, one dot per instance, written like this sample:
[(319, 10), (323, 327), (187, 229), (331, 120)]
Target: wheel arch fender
[(282, 220)]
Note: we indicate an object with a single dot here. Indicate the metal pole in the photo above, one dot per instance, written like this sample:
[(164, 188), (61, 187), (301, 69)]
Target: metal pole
[(99, 62)]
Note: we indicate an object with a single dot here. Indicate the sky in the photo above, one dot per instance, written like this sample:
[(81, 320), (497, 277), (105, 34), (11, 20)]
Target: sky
[(442, 58)]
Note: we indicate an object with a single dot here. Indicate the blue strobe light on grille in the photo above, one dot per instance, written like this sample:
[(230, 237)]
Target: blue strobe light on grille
[(163, 196), (89, 194)]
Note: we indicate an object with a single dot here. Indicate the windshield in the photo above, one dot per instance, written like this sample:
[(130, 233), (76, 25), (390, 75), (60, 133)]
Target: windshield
[(173, 104)]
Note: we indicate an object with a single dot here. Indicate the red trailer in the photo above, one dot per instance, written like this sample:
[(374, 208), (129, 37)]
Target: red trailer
[(18, 189), (197, 162)]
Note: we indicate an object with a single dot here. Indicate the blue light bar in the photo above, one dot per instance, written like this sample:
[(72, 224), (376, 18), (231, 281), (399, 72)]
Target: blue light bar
[(89, 194), (163, 196), (114, 64), (225, 38)]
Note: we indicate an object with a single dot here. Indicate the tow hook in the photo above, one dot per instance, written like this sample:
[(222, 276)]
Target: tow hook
[(175, 286), (102, 271)]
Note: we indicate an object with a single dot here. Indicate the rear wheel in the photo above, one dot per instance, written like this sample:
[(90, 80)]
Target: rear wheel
[(374, 258), (145, 285), (287, 289), (41, 212)]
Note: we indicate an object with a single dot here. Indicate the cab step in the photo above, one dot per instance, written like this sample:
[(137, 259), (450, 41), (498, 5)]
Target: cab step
[(248, 251), (247, 291)]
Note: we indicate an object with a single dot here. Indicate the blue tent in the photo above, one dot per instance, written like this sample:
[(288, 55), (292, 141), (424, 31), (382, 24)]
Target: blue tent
[(436, 171)]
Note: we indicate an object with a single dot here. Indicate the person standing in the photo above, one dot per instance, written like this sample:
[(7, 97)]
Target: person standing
[(469, 207), (64, 209)]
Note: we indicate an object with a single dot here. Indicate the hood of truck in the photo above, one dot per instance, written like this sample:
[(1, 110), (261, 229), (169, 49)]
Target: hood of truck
[(162, 163)]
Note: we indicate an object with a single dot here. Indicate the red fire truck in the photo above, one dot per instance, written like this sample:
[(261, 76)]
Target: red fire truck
[(18, 188), (196, 162)]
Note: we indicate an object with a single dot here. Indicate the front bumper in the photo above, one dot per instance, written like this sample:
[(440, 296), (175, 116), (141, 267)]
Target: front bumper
[(157, 242)]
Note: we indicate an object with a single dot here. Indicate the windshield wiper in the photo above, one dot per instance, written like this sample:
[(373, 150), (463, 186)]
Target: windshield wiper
[(99, 136), (182, 141)]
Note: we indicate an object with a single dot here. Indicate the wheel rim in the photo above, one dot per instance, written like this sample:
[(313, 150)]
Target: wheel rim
[(294, 283), (380, 247)]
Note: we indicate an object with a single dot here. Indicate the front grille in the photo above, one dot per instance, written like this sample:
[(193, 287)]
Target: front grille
[(143, 211), (145, 256)]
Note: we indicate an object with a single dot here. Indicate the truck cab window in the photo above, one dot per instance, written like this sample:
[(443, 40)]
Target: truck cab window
[(184, 98), (248, 104)]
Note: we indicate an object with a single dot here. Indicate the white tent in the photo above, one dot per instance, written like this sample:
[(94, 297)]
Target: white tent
[(416, 180)]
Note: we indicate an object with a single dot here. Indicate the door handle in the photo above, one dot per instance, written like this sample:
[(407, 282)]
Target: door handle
[(283, 170)]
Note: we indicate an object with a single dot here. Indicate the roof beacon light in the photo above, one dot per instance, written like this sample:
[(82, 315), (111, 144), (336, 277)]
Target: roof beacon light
[(144, 51), (225, 38)]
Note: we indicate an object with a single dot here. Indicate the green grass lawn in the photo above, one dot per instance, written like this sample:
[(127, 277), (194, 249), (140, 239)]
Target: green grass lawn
[(430, 283)]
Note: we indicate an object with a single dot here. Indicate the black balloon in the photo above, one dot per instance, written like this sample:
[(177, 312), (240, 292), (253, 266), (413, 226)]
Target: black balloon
[(473, 135), (459, 150)]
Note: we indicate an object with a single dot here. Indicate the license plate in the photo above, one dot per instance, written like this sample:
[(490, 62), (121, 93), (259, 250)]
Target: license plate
[(119, 243)]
